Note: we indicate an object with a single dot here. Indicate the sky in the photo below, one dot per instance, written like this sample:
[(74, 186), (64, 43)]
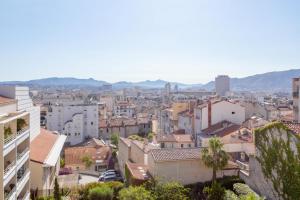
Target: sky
[(189, 41)]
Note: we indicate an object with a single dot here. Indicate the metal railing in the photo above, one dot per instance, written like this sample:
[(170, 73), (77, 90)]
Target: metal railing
[(9, 167), (23, 176), (242, 165), (20, 155), (8, 195), (20, 132), (9, 138)]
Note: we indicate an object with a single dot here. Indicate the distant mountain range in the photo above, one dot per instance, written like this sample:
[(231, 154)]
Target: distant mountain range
[(271, 81)]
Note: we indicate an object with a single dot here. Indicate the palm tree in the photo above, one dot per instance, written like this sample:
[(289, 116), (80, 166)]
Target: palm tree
[(214, 156)]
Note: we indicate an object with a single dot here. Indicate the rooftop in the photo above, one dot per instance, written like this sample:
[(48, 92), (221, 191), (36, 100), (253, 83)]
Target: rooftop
[(161, 155), (138, 171), (5, 100), (41, 146)]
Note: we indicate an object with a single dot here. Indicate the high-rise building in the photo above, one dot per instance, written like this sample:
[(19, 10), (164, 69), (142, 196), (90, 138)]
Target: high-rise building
[(16, 124), (296, 101), (29, 158), (222, 84)]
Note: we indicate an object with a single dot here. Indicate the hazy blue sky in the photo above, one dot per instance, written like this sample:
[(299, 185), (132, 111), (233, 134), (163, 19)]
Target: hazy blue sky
[(189, 41)]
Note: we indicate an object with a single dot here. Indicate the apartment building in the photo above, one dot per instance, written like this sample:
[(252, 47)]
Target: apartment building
[(124, 109), (78, 122), (14, 145), (213, 112), (169, 117), (222, 85)]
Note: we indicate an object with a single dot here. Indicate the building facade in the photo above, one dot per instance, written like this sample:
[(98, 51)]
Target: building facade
[(77, 122), (222, 85)]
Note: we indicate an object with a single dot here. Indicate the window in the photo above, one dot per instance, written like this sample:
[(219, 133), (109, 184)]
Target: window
[(162, 145), (190, 145), (92, 123), (233, 112), (181, 145)]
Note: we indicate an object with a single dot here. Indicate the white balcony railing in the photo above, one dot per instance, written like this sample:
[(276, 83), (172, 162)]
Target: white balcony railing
[(22, 131), (9, 138), (8, 196), (242, 166), (20, 181), (20, 155), (9, 167)]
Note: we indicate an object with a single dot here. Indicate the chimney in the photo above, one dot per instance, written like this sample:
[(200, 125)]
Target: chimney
[(209, 113)]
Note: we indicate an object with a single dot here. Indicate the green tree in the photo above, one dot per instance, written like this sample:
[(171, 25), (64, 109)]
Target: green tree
[(214, 156), (101, 193), (114, 138), (87, 161), (171, 191), (135, 193), (56, 192), (215, 192), (62, 162)]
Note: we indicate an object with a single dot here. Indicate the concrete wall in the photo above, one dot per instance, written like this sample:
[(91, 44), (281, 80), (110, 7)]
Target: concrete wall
[(124, 154), (183, 171)]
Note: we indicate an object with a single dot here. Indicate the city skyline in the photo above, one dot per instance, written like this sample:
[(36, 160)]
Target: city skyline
[(189, 42)]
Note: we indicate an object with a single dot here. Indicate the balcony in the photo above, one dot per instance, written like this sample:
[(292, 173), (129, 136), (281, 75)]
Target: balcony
[(26, 196), (22, 179), (8, 172), (22, 157), (296, 94), (244, 167), (9, 195)]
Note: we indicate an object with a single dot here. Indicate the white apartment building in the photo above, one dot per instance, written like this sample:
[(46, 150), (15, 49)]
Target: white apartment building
[(211, 113), (124, 109), (78, 122), (222, 84), (15, 129)]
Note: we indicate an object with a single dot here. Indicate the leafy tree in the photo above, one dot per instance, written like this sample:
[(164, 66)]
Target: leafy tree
[(101, 192), (87, 161), (115, 139), (215, 192), (56, 192), (171, 191), (62, 162), (135, 193), (214, 156)]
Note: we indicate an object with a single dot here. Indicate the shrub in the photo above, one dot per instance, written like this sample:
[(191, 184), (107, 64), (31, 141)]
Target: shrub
[(171, 190), (103, 192), (135, 193), (242, 189), (230, 195), (215, 192), (83, 191)]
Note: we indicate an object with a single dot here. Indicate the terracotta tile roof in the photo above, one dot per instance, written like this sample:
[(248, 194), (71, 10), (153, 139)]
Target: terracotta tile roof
[(5, 100), (74, 155), (221, 129), (143, 120), (41, 146), (161, 155), (138, 171), (145, 147), (179, 138)]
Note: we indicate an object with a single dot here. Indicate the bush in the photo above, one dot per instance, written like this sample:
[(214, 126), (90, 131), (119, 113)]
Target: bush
[(242, 189), (135, 193), (215, 192), (83, 191), (230, 195), (171, 190), (103, 192)]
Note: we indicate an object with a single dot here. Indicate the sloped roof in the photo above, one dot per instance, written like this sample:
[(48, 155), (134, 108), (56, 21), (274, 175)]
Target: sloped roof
[(41, 146)]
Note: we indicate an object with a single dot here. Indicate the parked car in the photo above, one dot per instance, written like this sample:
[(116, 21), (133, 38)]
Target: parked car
[(110, 177), (106, 174)]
